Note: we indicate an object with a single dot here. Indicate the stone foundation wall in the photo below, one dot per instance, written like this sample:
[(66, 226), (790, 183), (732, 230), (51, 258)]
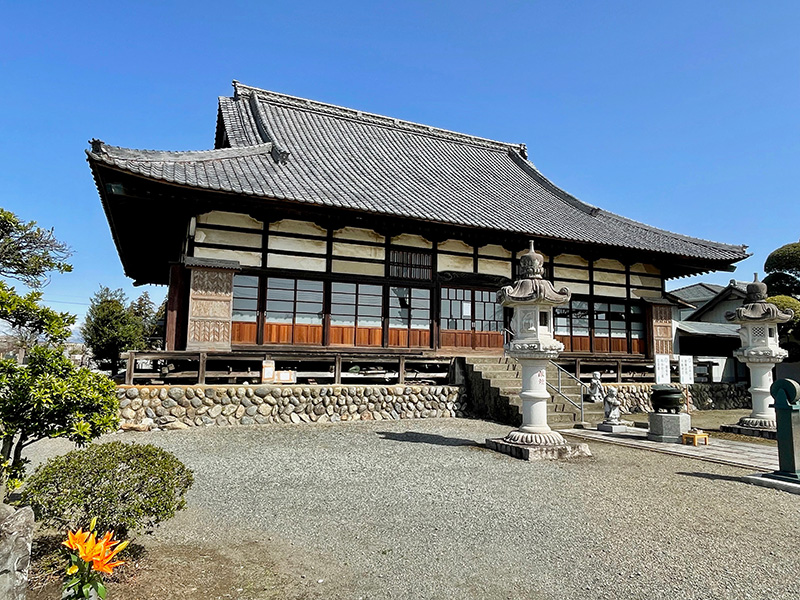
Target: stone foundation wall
[(179, 407), (635, 397), (721, 396)]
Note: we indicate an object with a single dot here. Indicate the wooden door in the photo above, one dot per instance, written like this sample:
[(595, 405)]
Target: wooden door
[(662, 329)]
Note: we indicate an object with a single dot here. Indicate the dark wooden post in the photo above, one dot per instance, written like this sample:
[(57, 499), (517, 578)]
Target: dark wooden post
[(173, 302), (201, 369), (130, 368)]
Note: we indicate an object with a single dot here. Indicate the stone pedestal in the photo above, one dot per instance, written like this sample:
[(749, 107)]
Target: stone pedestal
[(763, 415), (539, 452), (668, 427), (612, 427), (535, 440)]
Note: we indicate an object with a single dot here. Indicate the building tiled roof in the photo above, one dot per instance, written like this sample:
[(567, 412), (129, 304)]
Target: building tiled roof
[(287, 148), (697, 293), (709, 329)]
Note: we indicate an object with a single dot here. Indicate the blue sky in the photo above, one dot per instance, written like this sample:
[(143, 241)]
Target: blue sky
[(683, 115)]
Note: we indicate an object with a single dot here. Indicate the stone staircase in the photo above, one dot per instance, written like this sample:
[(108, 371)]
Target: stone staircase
[(494, 385)]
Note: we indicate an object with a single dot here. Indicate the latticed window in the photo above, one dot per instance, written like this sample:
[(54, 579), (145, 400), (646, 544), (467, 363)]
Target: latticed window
[(410, 264)]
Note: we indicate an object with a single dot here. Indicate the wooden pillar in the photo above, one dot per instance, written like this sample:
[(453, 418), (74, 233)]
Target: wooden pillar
[(337, 369), (130, 369), (201, 368), (173, 307), (401, 370)]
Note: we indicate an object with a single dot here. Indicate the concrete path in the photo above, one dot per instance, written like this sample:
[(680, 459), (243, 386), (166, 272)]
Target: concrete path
[(759, 457)]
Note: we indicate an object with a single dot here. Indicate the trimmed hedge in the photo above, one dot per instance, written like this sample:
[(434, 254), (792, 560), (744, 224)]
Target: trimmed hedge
[(126, 486)]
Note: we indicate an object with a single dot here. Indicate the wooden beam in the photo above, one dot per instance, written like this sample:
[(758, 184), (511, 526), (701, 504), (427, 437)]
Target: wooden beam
[(401, 370), (337, 369)]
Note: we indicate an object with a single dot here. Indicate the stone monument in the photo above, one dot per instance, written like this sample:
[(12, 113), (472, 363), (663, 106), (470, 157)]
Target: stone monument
[(533, 345), (758, 320), (613, 413)]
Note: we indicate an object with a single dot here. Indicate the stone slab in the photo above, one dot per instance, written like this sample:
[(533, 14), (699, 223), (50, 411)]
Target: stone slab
[(612, 428), (534, 453), (764, 480), (770, 434), (756, 457), (668, 427)]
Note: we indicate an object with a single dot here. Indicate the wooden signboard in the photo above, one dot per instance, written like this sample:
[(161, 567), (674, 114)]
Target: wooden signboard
[(662, 368), (285, 376), (267, 371), (686, 369)]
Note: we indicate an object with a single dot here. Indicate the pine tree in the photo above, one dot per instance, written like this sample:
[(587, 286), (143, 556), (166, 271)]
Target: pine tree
[(111, 327)]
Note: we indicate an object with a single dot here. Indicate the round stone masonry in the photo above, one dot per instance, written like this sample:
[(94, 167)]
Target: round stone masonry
[(181, 407)]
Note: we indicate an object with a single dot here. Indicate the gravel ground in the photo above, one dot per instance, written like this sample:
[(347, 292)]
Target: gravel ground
[(417, 509)]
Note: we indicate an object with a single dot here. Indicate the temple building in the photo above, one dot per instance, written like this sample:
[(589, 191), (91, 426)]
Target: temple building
[(313, 228)]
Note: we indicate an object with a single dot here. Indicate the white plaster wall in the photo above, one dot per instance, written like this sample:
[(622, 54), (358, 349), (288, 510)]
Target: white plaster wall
[(218, 217), (250, 259), (413, 240)]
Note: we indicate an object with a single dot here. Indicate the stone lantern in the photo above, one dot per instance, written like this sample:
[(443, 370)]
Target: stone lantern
[(758, 320), (533, 345)]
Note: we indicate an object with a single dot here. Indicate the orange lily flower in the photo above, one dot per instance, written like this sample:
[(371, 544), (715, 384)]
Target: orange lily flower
[(76, 540), (103, 561), (98, 552)]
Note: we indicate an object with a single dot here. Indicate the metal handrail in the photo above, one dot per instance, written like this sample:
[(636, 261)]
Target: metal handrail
[(557, 389)]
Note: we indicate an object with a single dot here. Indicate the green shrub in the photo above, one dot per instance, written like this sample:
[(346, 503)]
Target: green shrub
[(126, 486)]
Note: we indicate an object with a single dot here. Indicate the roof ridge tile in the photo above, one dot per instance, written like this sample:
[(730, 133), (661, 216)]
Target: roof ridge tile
[(335, 110), (103, 151)]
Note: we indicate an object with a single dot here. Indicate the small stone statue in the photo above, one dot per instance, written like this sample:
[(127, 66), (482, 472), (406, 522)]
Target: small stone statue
[(612, 407), (595, 388)]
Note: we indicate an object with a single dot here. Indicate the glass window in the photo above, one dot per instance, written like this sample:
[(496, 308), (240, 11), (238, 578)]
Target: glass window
[(245, 298), (409, 317), (293, 301)]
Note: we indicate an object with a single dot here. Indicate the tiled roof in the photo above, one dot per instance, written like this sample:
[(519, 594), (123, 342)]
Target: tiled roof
[(697, 292), (709, 329), (298, 150)]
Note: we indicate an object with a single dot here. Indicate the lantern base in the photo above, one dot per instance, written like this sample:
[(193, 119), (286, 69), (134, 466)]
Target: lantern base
[(758, 423), (535, 453), (551, 438)]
